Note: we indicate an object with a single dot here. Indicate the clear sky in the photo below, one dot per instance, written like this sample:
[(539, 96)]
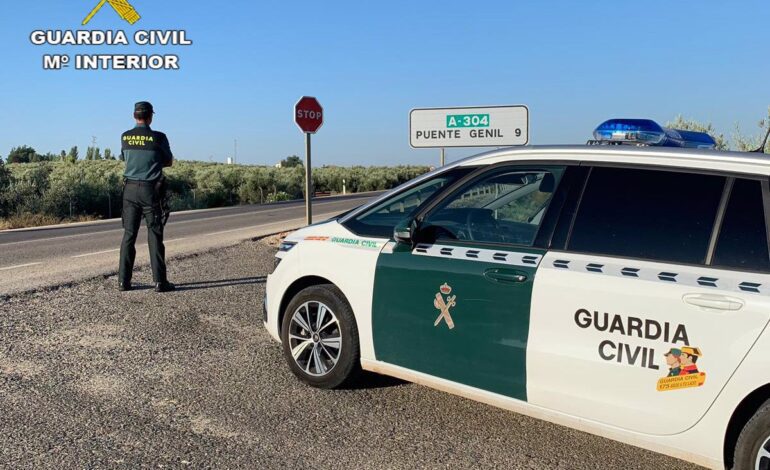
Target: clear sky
[(574, 63)]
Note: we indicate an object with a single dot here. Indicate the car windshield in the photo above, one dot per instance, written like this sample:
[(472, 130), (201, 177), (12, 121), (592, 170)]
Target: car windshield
[(381, 219)]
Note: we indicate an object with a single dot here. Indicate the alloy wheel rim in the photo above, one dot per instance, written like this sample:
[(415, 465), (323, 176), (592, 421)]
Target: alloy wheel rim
[(763, 456), (315, 339)]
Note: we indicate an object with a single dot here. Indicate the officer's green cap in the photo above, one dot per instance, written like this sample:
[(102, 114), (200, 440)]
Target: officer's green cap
[(144, 107), (675, 351)]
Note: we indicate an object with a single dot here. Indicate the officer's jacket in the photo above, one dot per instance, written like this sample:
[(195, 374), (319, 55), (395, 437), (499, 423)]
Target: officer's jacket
[(146, 152)]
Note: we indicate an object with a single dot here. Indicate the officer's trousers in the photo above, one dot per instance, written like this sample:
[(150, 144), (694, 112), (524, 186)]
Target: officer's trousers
[(140, 199)]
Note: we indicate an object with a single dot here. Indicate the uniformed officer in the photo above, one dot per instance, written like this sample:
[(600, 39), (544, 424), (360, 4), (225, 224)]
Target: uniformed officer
[(673, 360), (146, 152), (689, 358)]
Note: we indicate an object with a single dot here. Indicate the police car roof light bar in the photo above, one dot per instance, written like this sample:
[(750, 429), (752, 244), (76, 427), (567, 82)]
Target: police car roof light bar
[(646, 132)]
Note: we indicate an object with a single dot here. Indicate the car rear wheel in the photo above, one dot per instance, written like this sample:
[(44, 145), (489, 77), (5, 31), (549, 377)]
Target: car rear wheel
[(320, 337), (752, 450)]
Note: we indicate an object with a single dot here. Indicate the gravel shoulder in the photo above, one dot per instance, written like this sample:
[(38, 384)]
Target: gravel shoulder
[(94, 378)]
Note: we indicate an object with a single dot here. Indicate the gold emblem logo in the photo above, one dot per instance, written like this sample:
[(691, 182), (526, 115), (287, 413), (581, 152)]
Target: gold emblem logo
[(122, 7), (443, 305)]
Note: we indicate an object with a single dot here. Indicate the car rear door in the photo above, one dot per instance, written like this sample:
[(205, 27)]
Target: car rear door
[(650, 297), (457, 305)]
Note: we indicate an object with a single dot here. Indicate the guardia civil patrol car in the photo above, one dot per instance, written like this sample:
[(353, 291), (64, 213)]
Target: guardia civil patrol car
[(623, 290)]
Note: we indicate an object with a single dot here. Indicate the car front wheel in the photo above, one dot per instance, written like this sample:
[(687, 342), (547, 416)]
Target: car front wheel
[(753, 448), (320, 337)]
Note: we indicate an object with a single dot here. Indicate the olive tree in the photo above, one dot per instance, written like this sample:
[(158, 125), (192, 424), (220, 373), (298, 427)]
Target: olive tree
[(751, 143), (739, 141), (5, 182)]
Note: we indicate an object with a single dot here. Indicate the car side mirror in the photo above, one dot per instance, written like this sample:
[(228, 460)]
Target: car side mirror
[(405, 231)]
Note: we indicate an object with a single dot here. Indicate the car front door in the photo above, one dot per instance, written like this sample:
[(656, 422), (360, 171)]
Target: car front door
[(457, 304), (655, 296)]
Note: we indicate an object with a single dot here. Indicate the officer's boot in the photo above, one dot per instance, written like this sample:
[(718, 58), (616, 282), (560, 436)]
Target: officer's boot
[(164, 287)]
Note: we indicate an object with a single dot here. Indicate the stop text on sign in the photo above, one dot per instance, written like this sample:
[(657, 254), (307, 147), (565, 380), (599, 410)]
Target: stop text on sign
[(490, 126), (308, 114)]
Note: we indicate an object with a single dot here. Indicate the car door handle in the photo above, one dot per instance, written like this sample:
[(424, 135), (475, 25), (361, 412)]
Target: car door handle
[(714, 301), (506, 276)]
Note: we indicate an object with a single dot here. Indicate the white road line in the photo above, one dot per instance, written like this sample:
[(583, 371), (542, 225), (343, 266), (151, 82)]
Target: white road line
[(19, 266), (96, 253), (169, 241), (257, 227), (229, 231), (118, 249), (173, 223)]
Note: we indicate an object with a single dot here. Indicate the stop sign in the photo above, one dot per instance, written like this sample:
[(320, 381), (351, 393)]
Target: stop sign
[(308, 114)]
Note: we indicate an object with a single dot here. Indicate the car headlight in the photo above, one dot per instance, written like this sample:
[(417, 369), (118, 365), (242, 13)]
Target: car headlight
[(282, 248)]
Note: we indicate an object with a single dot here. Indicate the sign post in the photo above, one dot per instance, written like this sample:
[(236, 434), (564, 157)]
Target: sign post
[(308, 181), (477, 126), (308, 115)]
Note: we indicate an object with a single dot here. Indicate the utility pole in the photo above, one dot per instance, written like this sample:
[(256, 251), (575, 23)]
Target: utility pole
[(93, 147), (235, 151)]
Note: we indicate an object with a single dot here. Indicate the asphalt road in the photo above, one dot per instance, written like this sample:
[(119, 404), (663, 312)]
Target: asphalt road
[(37, 258), (94, 378)]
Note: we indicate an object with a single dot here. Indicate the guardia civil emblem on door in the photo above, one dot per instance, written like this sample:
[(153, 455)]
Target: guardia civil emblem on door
[(122, 7), (444, 305)]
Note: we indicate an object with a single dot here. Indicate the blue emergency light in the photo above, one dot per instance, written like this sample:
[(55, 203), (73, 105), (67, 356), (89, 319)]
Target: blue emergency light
[(646, 132)]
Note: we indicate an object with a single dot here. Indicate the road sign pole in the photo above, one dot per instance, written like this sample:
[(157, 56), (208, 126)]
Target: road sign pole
[(308, 181), (442, 156), (308, 115)]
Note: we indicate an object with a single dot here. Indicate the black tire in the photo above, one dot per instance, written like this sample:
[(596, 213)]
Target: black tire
[(753, 438), (348, 364)]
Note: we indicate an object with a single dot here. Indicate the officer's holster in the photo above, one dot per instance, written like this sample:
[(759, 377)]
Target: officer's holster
[(161, 192)]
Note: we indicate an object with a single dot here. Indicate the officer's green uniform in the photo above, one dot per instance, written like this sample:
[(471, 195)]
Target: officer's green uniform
[(146, 152)]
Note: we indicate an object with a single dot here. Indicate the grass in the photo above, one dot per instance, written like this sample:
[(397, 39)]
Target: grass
[(39, 220)]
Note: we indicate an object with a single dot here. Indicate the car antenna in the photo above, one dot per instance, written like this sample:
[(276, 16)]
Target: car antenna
[(761, 148)]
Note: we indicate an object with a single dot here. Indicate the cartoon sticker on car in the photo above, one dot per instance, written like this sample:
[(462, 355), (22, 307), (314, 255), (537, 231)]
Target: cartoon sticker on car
[(683, 370)]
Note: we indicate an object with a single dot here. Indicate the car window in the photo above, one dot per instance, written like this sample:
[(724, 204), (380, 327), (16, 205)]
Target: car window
[(742, 242), (506, 206), (648, 214), (380, 220)]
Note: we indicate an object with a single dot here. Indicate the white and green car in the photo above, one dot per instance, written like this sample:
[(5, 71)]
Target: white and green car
[(618, 290)]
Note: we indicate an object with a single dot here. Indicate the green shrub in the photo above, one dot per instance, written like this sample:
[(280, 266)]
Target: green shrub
[(93, 188), (279, 196)]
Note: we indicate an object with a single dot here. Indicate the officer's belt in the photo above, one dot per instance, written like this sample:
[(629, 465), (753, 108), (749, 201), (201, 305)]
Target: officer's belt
[(142, 182)]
